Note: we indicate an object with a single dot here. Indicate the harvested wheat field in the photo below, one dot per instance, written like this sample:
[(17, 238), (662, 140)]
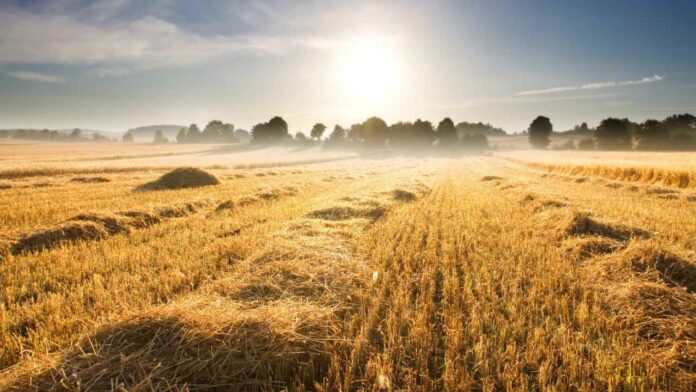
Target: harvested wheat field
[(184, 269)]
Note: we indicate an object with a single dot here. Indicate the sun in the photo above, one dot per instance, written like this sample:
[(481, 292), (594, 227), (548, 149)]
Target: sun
[(369, 69)]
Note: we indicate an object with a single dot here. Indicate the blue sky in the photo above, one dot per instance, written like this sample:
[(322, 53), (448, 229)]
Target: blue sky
[(118, 64)]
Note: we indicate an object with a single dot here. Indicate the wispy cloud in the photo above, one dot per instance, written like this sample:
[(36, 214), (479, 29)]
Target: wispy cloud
[(594, 86), (36, 76), (103, 72), (147, 42)]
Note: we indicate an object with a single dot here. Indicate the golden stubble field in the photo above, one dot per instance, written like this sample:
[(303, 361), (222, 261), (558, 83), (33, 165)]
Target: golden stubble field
[(333, 271)]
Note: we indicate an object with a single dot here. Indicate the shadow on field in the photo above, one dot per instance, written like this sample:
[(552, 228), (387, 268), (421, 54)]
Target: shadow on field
[(211, 347)]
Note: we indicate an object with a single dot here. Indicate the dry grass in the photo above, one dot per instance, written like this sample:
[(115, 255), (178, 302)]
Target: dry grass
[(381, 274), (672, 170)]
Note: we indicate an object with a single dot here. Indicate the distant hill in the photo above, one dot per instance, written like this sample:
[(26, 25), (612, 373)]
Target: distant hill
[(148, 132)]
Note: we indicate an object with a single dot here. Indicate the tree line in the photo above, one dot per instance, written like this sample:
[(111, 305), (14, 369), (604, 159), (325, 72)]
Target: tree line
[(371, 133), (676, 132), (75, 135)]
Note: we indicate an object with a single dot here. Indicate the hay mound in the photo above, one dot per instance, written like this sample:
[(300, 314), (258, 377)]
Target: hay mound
[(614, 185), (587, 247), (90, 179), (181, 178), (491, 178), (403, 195), (67, 233), (5, 186)]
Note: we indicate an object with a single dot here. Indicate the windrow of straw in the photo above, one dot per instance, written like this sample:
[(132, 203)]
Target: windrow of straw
[(649, 175), (96, 226)]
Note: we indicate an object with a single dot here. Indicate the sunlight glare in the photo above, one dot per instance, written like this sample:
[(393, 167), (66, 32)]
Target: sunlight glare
[(369, 69)]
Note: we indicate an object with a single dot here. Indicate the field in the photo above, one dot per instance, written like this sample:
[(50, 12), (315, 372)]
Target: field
[(316, 270)]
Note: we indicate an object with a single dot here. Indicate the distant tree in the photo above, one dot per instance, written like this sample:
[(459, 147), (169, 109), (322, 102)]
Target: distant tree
[(159, 138), (228, 133), (652, 135), (375, 132), (586, 144), (474, 141), (355, 133), (212, 133), (242, 135), (446, 132), (181, 136), (424, 131), (339, 133), (128, 137), (193, 135), (614, 134), (539, 131), (466, 128), (317, 131), (682, 130), (337, 137), (76, 134), (581, 129), (680, 123), (272, 132), (97, 137), (402, 134)]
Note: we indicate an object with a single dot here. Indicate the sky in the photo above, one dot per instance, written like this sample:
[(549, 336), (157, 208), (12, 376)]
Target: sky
[(118, 64)]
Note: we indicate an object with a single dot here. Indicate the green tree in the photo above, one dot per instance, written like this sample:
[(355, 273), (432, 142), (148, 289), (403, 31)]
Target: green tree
[(652, 135), (375, 132), (317, 131), (424, 131), (159, 138), (181, 136), (614, 134), (446, 132), (128, 137), (272, 132), (539, 131), (194, 134)]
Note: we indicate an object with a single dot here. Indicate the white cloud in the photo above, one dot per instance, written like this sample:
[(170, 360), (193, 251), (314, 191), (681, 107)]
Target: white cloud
[(594, 86), (103, 72), (148, 42), (36, 76)]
